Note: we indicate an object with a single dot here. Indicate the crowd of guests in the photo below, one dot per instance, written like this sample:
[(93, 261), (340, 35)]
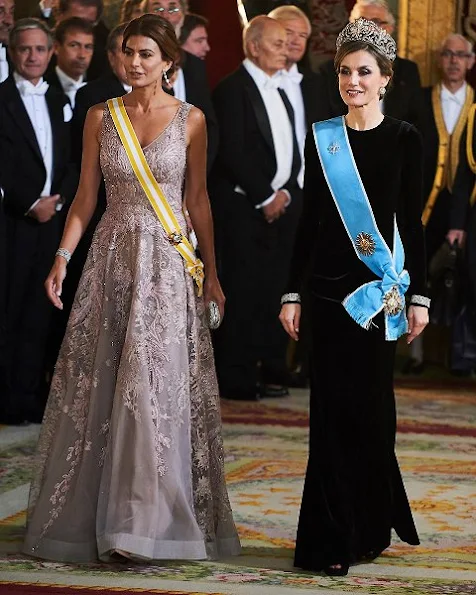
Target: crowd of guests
[(63, 60)]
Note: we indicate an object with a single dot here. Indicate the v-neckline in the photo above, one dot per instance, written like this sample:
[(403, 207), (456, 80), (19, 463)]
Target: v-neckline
[(152, 142)]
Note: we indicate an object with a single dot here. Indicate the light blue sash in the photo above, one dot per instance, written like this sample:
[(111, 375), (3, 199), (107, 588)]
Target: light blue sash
[(354, 208)]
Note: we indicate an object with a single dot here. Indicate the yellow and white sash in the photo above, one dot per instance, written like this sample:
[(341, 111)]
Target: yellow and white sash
[(154, 192)]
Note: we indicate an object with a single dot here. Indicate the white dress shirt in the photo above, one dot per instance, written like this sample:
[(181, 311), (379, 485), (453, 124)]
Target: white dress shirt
[(281, 129), (33, 97), (291, 83), (3, 63), (70, 86), (178, 85), (451, 106)]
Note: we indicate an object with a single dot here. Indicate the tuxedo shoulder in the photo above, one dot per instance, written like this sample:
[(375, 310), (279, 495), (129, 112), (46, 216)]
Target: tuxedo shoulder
[(230, 81), (405, 63), (327, 68), (7, 87)]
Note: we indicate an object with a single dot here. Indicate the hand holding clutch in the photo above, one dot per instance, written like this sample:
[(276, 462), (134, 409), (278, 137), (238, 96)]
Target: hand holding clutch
[(214, 302), (213, 315)]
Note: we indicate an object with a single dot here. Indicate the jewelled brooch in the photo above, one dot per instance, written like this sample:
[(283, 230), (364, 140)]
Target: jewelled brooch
[(365, 244), (333, 148), (175, 238), (392, 302)]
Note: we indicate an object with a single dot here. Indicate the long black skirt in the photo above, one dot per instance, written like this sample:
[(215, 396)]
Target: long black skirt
[(353, 493)]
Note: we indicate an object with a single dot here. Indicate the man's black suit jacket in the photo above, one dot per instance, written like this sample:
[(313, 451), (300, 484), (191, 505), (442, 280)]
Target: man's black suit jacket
[(313, 88), (27, 173), (98, 91), (197, 92), (402, 101), (246, 155)]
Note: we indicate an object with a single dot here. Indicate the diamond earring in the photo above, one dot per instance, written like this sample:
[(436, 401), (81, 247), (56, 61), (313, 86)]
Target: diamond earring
[(382, 91), (166, 78)]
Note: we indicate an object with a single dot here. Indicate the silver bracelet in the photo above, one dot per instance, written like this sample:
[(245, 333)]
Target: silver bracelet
[(291, 298), (420, 300), (66, 254)]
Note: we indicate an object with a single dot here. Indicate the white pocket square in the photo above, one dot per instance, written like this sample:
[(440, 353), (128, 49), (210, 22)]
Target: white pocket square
[(67, 112)]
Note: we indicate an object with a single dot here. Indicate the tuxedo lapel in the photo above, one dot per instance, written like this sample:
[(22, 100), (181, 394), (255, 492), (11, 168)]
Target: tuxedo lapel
[(54, 101), (20, 116), (258, 108)]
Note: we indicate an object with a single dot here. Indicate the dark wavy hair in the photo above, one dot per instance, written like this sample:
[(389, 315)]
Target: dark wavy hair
[(161, 31)]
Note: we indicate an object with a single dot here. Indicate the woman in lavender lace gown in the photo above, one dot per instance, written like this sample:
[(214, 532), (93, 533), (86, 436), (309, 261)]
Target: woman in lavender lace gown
[(130, 452)]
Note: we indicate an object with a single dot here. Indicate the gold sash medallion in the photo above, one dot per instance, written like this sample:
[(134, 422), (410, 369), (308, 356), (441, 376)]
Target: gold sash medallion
[(154, 192), (448, 149), (469, 148)]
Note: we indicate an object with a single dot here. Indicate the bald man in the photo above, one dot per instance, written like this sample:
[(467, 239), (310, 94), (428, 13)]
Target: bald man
[(257, 200)]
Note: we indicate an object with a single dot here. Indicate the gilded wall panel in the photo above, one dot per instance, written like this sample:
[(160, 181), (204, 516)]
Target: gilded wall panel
[(422, 26)]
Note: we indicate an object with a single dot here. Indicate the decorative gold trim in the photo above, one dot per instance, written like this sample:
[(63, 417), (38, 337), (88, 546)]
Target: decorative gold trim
[(422, 25), (448, 148)]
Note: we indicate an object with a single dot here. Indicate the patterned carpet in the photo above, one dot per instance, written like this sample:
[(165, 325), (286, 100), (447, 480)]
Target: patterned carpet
[(266, 447)]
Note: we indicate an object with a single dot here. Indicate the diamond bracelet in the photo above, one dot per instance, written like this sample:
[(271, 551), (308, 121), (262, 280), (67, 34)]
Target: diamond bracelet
[(420, 300), (66, 254), (291, 298)]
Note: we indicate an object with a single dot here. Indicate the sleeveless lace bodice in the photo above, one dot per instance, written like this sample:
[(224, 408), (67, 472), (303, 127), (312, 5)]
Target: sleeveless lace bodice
[(130, 453)]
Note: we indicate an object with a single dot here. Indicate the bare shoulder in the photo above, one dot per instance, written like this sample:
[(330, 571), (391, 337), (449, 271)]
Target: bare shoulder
[(196, 119), (95, 114)]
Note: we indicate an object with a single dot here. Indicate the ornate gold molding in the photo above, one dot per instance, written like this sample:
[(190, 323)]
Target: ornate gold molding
[(422, 25)]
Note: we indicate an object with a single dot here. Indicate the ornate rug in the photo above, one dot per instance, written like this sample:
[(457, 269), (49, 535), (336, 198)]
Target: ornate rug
[(266, 446)]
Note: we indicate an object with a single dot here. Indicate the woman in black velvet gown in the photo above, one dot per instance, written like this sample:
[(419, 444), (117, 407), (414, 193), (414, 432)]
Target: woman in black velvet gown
[(354, 493)]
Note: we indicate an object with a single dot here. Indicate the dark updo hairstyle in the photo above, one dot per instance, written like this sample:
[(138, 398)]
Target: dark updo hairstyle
[(160, 31), (384, 64)]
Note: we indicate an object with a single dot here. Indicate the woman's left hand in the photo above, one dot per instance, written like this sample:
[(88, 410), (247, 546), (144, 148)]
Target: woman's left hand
[(417, 320), (212, 292)]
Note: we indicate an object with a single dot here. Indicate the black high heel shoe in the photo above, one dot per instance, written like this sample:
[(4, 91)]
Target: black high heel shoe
[(338, 569)]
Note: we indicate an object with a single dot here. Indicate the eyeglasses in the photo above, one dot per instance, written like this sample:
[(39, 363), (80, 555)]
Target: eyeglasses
[(451, 54), (169, 10), (378, 22)]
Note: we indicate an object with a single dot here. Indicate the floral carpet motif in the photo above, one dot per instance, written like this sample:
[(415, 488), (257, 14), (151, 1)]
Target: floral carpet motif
[(266, 445)]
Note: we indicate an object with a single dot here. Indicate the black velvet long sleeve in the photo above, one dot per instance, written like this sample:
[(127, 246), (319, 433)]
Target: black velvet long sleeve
[(389, 159)]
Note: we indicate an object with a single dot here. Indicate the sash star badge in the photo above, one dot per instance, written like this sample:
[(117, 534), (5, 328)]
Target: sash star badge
[(333, 148), (365, 244)]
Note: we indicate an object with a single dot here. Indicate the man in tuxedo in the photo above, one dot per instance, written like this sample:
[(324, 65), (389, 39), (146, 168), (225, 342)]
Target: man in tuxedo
[(89, 10), (98, 91), (7, 10), (190, 81), (73, 48), (194, 35), (403, 100), (446, 106), (305, 91), (35, 133), (257, 201), (173, 11)]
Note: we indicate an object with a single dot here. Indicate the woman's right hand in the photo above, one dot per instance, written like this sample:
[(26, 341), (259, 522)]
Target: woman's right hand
[(54, 282), (290, 316)]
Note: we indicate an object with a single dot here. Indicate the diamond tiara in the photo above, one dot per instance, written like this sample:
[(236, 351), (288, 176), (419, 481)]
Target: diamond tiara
[(368, 32)]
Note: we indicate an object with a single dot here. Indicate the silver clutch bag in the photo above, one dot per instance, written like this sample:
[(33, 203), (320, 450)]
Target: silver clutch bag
[(213, 315)]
